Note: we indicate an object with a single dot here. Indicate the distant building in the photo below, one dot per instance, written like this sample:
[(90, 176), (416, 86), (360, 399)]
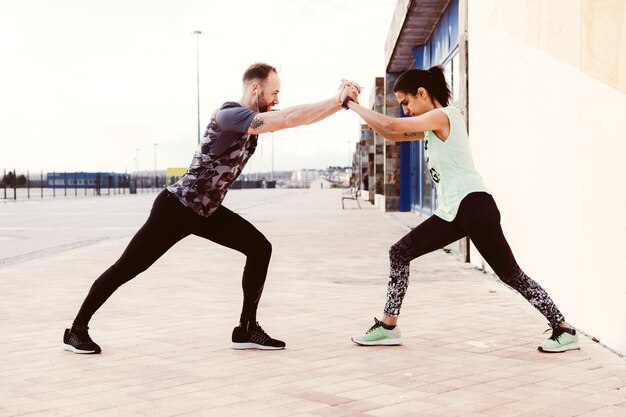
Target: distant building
[(305, 176), (337, 175), (174, 174), (86, 180)]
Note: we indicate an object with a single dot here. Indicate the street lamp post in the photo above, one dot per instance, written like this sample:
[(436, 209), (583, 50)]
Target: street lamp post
[(198, 33), (350, 159), (155, 166), (137, 168)]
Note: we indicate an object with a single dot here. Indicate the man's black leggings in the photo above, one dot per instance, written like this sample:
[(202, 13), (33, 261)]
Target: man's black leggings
[(479, 218), (169, 222)]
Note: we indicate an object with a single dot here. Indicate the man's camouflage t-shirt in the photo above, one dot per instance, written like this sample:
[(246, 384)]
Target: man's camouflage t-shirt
[(222, 154)]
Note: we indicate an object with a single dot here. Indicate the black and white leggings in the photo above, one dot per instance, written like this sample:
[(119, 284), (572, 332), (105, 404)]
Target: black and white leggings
[(479, 218)]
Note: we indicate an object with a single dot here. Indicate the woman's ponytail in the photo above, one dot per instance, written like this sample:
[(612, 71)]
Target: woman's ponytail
[(438, 85)]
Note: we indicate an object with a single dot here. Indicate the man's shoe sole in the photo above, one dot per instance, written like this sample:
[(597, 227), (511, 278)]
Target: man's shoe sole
[(241, 346), (383, 342), (71, 348), (571, 346)]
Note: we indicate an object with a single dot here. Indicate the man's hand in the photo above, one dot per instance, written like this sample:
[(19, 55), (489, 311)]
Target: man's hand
[(347, 88), (352, 90), (355, 90)]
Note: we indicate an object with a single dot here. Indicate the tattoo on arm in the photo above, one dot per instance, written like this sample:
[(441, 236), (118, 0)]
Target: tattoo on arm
[(410, 135), (257, 122)]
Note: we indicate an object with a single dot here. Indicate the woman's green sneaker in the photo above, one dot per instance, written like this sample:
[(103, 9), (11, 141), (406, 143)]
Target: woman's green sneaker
[(377, 335), (562, 339)]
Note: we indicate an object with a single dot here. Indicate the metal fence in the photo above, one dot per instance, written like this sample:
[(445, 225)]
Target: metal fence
[(30, 185)]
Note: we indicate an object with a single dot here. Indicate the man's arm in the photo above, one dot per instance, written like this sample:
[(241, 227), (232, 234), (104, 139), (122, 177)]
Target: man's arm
[(345, 87), (326, 114), (293, 116), (303, 114)]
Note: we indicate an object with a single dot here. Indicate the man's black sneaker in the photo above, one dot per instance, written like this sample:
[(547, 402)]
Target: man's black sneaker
[(77, 340), (250, 335)]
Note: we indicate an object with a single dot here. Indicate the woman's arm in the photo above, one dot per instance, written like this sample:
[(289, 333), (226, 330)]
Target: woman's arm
[(401, 128), (402, 137)]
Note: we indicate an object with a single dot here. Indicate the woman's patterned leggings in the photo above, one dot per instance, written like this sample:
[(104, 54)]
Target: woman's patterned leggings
[(478, 218)]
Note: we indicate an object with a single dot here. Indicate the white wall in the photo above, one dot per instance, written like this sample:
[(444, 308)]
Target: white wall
[(550, 142)]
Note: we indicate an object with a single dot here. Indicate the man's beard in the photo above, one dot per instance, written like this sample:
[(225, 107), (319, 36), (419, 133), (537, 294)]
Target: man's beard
[(262, 105)]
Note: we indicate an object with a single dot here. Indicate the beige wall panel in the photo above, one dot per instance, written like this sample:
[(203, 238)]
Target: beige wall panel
[(589, 35), (549, 140), (603, 26), (563, 30)]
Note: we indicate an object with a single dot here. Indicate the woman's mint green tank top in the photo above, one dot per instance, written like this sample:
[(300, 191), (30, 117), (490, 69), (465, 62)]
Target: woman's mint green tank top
[(451, 165)]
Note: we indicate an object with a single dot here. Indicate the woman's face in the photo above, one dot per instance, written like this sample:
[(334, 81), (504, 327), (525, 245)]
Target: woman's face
[(415, 105)]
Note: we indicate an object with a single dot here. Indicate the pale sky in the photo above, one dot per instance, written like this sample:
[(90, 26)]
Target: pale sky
[(84, 83)]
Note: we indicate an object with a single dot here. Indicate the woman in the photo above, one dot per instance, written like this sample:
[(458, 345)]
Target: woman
[(464, 206)]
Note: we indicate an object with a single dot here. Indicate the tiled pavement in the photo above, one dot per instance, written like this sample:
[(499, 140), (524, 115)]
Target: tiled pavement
[(469, 342)]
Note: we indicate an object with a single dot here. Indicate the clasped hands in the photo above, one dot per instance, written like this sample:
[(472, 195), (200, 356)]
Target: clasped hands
[(348, 89)]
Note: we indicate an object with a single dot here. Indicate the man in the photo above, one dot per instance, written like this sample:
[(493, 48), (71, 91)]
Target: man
[(194, 205)]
